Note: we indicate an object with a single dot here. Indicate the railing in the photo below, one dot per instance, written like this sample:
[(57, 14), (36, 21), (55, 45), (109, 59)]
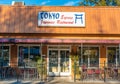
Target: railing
[(25, 72), (104, 73)]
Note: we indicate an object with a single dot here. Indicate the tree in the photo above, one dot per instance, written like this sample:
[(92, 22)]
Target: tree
[(100, 3), (117, 2)]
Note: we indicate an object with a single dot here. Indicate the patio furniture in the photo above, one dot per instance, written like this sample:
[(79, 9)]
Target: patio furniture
[(83, 70), (90, 73), (108, 73), (84, 74), (98, 74), (118, 73)]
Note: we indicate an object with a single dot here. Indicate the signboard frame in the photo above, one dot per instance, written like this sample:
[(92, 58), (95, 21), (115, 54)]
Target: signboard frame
[(61, 19)]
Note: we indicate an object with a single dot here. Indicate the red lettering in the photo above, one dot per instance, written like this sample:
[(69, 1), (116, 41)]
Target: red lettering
[(62, 16), (66, 17)]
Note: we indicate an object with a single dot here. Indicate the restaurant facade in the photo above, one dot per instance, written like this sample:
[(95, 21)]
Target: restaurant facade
[(56, 33)]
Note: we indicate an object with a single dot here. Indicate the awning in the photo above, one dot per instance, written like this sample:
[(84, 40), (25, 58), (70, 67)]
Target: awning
[(53, 40)]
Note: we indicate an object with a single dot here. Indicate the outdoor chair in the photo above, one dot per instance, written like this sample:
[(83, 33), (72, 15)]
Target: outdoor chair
[(114, 73), (83, 74), (31, 73), (22, 73), (118, 73), (109, 73), (3, 72), (97, 73), (90, 73)]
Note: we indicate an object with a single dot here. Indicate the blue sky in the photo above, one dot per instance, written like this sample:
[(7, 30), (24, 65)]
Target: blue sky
[(44, 2)]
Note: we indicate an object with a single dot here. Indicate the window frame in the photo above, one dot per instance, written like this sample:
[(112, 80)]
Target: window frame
[(27, 45), (116, 46), (8, 53), (89, 47)]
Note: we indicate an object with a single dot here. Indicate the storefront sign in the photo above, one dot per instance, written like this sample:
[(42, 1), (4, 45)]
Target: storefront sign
[(71, 19)]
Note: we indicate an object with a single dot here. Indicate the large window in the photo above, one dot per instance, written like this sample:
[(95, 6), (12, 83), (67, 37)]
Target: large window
[(89, 55), (113, 57), (4, 55), (28, 55)]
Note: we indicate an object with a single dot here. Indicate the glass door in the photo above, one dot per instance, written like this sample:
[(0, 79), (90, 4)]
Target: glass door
[(64, 63), (59, 63), (53, 63)]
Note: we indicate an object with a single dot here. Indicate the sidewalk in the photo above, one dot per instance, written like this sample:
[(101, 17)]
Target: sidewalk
[(57, 81), (66, 80), (20, 82)]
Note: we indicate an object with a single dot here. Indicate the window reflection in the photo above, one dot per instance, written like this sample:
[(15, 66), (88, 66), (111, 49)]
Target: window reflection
[(113, 56), (4, 55), (53, 61), (28, 55), (89, 56)]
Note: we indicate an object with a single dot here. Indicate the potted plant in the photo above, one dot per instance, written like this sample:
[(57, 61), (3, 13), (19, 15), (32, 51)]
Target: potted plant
[(41, 68), (75, 66)]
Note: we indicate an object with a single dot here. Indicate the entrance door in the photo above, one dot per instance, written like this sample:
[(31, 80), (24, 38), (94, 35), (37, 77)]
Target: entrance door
[(64, 63), (59, 62)]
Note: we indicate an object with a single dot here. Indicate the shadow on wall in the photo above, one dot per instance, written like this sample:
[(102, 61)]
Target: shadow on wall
[(99, 23), (106, 21), (20, 19)]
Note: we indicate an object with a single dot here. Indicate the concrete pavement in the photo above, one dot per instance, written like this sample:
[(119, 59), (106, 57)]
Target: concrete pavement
[(53, 82), (57, 80)]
